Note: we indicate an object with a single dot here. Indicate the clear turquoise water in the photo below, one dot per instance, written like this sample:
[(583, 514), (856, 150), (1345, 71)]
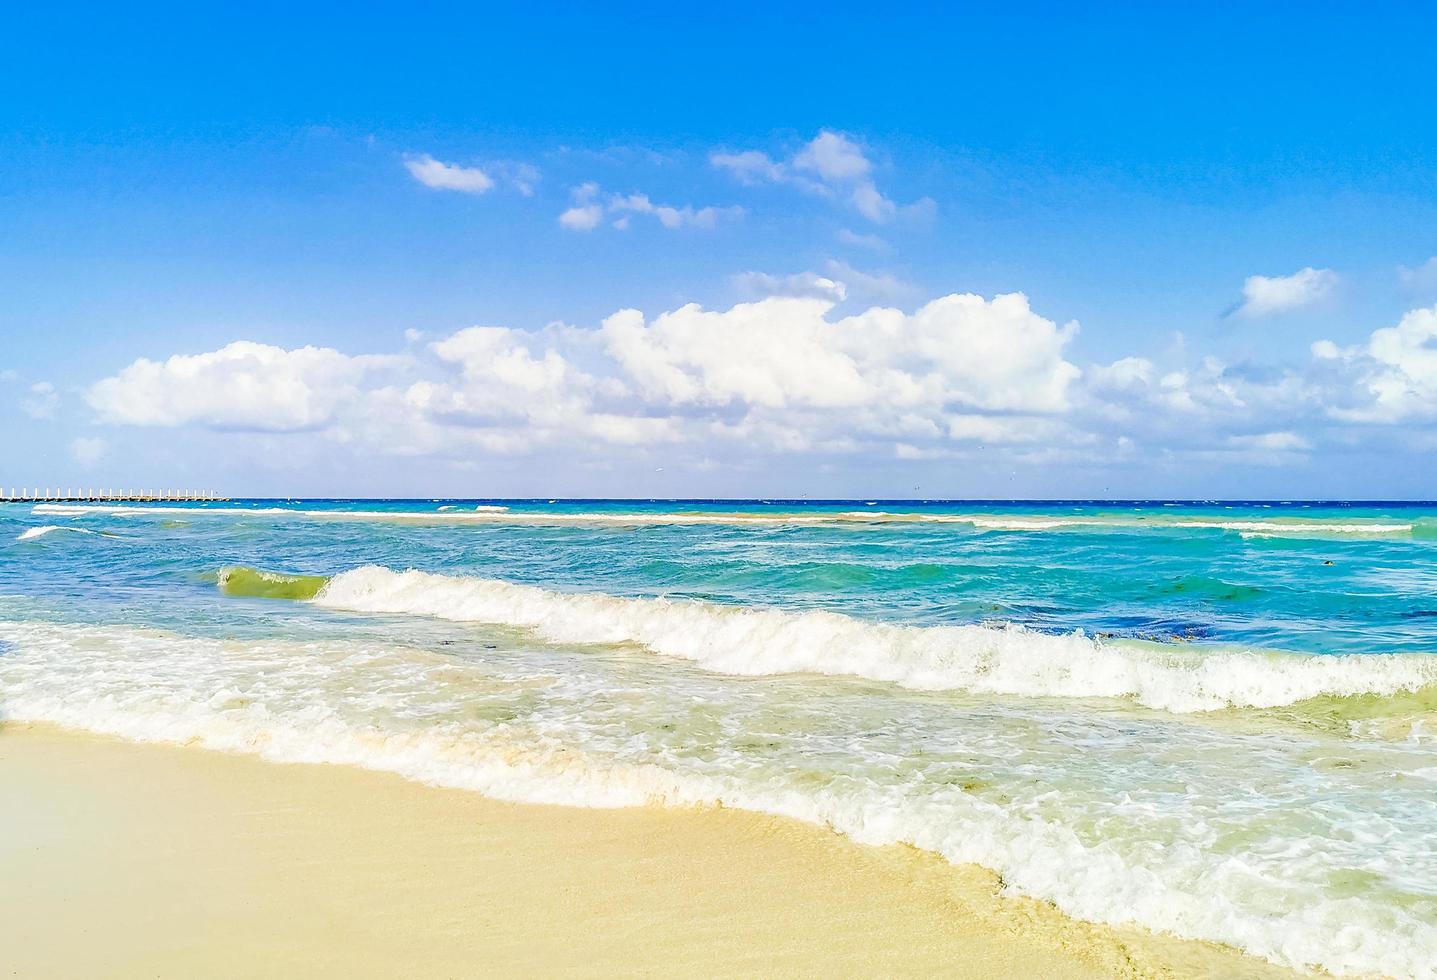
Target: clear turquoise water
[(1210, 719)]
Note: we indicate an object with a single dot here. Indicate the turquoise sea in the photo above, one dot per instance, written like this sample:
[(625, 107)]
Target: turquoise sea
[(1216, 720)]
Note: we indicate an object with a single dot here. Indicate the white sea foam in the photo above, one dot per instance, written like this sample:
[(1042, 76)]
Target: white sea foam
[(978, 659), (495, 514), (410, 712)]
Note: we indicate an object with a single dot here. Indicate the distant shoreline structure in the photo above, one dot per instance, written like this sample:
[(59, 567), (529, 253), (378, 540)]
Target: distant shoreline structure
[(26, 495), (38, 496)]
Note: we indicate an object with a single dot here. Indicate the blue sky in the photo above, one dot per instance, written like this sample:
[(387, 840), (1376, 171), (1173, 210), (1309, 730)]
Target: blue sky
[(372, 184)]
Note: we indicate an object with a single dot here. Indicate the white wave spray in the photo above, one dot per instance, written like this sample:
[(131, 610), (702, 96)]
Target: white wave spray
[(979, 659), (320, 702)]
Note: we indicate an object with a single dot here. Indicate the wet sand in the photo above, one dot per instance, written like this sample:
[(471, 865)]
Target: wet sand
[(124, 860)]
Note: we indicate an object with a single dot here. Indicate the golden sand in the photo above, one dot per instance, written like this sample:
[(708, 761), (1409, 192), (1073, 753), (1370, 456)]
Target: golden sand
[(142, 860)]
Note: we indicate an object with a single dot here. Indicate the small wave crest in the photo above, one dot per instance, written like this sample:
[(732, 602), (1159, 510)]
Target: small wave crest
[(243, 581), (34, 533), (1007, 660)]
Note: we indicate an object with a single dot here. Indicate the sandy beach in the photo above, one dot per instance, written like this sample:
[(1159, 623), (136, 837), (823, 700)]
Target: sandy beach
[(125, 859)]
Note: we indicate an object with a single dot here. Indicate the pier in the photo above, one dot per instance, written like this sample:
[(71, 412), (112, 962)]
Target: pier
[(26, 495)]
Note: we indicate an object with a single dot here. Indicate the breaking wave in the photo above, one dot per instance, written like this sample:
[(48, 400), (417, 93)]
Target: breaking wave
[(31, 534), (1008, 660), (406, 711), (241, 580)]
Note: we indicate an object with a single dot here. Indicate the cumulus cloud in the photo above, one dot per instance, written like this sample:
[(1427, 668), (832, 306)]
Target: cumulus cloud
[(832, 165), (779, 373), (1123, 374), (1396, 370), (517, 176), (1267, 295), (786, 373), (588, 211), (243, 385), (502, 377), (582, 217), (1203, 409), (834, 158), (781, 352), (448, 176)]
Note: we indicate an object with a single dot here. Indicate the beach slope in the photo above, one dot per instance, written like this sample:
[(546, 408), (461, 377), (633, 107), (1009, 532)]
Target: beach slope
[(144, 860)]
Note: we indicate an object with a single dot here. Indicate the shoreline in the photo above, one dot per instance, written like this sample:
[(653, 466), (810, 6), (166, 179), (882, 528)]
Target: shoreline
[(128, 859)]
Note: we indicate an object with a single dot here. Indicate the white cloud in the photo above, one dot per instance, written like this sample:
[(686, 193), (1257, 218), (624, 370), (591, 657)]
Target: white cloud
[(833, 157), (87, 451), (785, 352), (41, 401), (749, 167), (672, 217), (502, 377), (517, 391), (771, 353), (448, 176), (1123, 374), (1206, 406), (883, 287), (1267, 295), (832, 165), (1003, 429), (758, 285), (587, 213), (1396, 370), (871, 204), (242, 385), (582, 217), (958, 376), (781, 373), (838, 282)]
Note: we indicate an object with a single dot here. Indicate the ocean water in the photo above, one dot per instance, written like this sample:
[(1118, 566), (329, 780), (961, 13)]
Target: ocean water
[(1214, 720)]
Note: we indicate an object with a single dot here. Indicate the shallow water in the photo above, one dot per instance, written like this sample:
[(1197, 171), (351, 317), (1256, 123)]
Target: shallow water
[(1208, 719)]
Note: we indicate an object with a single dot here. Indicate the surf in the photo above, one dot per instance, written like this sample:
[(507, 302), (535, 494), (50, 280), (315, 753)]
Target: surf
[(422, 715), (979, 659), (244, 581), (1027, 523), (36, 533)]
